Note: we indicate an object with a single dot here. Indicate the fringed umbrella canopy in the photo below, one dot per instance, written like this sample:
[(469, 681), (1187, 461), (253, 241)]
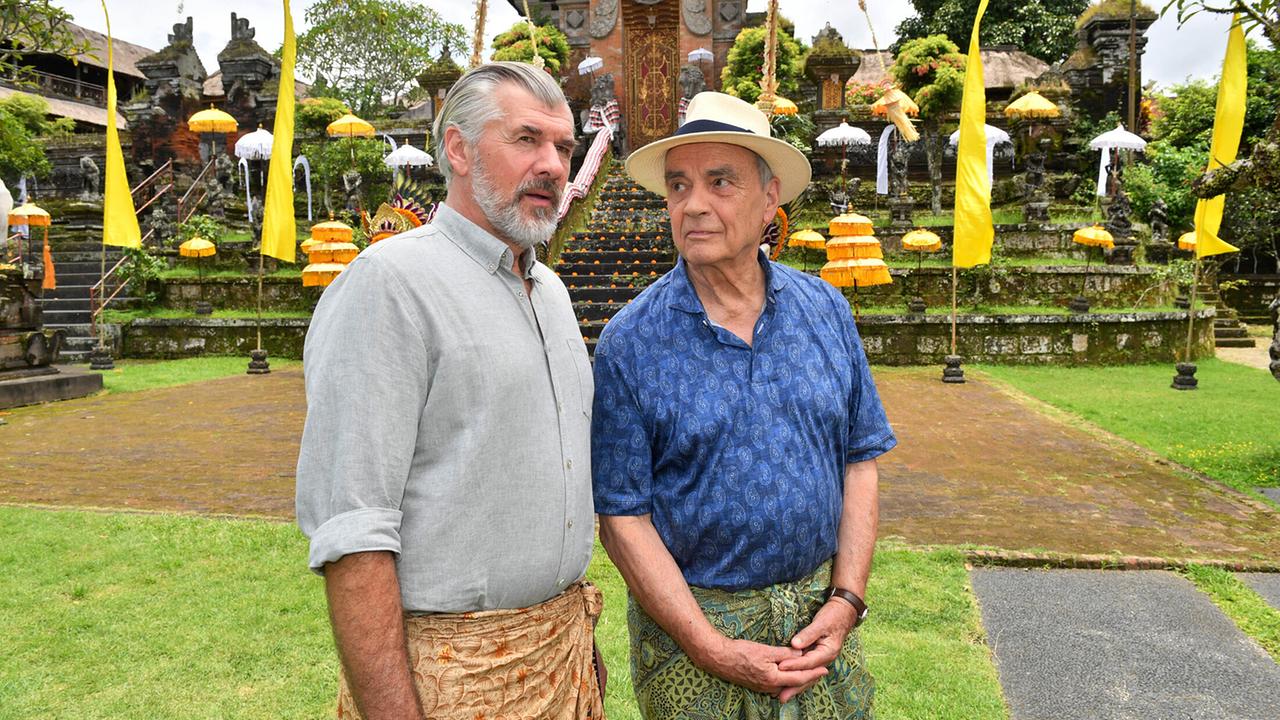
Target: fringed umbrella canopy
[(1119, 139), (844, 135), (701, 55), (350, 126), (321, 274), (807, 239), (851, 224), (1094, 236), (255, 145), (591, 64), (995, 136), (408, 156), (333, 252), (921, 241), (332, 230), (866, 272), (1187, 241), (854, 248), (212, 121), (1032, 105), (783, 106), (31, 215), (197, 247)]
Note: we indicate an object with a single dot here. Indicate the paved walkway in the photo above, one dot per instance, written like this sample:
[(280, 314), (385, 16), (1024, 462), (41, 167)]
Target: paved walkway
[(1109, 645), (974, 466), (1265, 584), (1254, 357)]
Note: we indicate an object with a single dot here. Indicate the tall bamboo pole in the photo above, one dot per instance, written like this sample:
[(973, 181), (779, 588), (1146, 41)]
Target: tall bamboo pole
[(477, 40), (1191, 311), (955, 274), (533, 37), (769, 78)]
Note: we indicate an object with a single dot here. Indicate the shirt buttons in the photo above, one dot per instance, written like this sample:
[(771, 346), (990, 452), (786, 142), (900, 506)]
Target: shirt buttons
[(560, 407), (568, 464), (492, 267), (570, 524), (519, 293)]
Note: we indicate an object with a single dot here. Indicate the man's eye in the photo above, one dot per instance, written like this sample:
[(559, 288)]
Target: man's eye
[(720, 182), (526, 139), (677, 187)]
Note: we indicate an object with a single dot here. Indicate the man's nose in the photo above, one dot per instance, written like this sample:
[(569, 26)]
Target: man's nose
[(696, 202), (548, 162)]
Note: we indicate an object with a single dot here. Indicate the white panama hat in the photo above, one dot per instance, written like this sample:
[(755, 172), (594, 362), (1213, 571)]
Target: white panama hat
[(714, 117)]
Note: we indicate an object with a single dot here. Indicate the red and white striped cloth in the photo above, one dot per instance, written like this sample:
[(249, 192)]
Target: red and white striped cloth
[(581, 184), (602, 117)]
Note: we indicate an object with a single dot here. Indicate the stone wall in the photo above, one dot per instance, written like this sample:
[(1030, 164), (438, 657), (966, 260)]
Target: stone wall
[(1095, 339), (1110, 285), (1252, 298), (190, 337), (227, 293)]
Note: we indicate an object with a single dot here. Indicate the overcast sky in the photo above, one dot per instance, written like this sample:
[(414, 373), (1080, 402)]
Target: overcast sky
[(1173, 53)]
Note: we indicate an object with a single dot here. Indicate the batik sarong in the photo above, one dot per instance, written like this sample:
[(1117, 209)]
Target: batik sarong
[(534, 663), (669, 686)]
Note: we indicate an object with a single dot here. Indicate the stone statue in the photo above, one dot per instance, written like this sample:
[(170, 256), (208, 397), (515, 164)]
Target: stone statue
[(1119, 223), (1274, 350), (220, 184), (1158, 219), (1035, 207), (90, 178), (604, 112), (160, 223), (898, 156), (691, 83), (182, 33), (352, 182), (240, 29)]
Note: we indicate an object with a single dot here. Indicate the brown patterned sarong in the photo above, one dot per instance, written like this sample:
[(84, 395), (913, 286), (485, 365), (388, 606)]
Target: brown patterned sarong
[(534, 663)]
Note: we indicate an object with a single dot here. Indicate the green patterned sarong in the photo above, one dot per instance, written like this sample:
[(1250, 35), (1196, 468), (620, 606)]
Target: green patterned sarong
[(670, 687)]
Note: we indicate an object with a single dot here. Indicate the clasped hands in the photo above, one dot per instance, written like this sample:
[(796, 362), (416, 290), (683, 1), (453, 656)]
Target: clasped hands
[(784, 672)]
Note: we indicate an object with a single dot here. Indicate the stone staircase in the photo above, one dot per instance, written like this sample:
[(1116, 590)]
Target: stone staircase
[(76, 246), (625, 247), (1228, 331)]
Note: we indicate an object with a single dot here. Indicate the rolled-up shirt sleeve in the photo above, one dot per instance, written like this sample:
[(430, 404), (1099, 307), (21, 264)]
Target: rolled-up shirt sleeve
[(367, 379), (870, 435), (621, 452)]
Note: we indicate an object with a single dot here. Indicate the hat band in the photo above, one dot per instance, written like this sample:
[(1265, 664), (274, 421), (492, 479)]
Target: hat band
[(700, 126)]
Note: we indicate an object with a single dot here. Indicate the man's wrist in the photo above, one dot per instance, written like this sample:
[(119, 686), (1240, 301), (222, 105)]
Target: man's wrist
[(850, 600)]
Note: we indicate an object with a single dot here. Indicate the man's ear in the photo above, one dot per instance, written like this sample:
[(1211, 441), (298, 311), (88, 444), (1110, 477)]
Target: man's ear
[(458, 151), (772, 191)]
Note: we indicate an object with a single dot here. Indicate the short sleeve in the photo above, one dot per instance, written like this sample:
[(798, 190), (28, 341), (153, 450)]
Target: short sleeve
[(621, 447), (870, 435), (366, 384)]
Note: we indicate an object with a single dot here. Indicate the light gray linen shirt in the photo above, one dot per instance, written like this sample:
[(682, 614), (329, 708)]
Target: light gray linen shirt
[(448, 421)]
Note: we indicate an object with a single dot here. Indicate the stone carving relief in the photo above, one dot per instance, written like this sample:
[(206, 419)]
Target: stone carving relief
[(182, 32), (731, 11), (240, 29), (604, 18), (574, 20), (695, 17)]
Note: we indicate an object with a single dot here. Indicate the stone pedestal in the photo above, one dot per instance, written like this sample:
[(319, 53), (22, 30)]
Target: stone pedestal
[(258, 364), (1079, 304), (916, 305), (1036, 213), (952, 373), (1186, 377), (100, 358), (900, 210)]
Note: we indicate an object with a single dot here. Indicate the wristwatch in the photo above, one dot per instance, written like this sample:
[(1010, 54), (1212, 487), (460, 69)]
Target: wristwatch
[(858, 605)]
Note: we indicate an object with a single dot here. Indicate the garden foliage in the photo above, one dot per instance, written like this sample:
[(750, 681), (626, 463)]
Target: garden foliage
[(742, 72)]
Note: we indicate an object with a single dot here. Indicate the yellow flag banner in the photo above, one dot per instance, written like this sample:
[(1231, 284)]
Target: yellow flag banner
[(974, 231), (1228, 124), (279, 230), (119, 218)]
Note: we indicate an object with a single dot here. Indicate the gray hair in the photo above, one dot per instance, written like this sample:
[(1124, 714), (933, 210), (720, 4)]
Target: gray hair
[(766, 172), (470, 106)]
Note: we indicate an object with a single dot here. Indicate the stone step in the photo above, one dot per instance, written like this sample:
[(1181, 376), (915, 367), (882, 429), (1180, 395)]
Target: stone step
[(594, 311), (585, 256), (1221, 333), (587, 294), (611, 269), (53, 318), (1245, 342)]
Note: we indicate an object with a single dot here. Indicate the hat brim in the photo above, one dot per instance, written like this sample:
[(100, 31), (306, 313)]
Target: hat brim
[(648, 165)]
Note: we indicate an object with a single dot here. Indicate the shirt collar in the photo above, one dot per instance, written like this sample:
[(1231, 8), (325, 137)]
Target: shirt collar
[(685, 298), (486, 250)]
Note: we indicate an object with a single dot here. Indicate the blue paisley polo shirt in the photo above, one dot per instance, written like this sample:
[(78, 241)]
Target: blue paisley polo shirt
[(738, 452)]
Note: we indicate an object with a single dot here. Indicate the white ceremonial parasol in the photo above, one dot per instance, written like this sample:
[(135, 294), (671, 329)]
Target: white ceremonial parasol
[(1107, 142), (844, 135), (408, 156), (701, 55), (255, 146), (995, 136), (590, 65)]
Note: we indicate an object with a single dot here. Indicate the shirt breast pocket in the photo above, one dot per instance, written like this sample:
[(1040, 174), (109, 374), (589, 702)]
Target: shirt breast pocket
[(582, 368)]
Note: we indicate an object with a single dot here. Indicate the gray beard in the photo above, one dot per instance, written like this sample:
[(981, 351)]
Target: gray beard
[(505, 216)]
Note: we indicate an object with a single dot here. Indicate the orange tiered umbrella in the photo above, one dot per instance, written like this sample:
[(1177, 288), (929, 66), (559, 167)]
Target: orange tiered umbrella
[(1090, 237), (32, 215), (854, 248), (807, 239), (321, 274), (333, 252), (921, 241), (329, 231), (212, 121), (1187, 241), (852, 224)]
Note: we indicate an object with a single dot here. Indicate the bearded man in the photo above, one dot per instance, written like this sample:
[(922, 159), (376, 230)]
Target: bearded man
[(444, 474)]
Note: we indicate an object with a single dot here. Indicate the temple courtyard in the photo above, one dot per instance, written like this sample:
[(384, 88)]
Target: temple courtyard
[(1031, 564)]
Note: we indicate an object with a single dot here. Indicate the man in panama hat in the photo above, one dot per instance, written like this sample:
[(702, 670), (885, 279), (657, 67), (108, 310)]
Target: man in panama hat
[(734, 437)]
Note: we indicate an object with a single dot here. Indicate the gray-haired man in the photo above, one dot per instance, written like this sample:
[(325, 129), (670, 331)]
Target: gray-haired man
[(444, 477)]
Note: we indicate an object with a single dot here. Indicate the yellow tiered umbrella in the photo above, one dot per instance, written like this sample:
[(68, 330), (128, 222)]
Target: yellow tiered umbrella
[(350, 126), (32, 215), (1032, 105), (321, 274), (856, 273), (854, 248), (333, 252), (1187, 241), (851, 225), (212, 121), (921, 241), (329, 231)]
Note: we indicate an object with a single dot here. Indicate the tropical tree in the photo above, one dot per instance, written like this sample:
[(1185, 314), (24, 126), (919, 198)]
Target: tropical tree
[(514, 45), (931, 71), (370, 51), (33, 25), (1043, 28), (742, 71), (22, 129)]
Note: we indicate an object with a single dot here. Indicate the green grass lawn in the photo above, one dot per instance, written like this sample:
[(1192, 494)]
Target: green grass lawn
[(161, 616), (189, 269), (1225, 429), (120, 317), (134, 375)]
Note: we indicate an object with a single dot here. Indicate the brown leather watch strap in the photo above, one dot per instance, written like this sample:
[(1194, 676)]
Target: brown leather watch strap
[(858, 605)]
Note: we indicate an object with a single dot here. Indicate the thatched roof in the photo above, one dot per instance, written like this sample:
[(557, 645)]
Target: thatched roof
[(1003, 67), (126, 54), (81, 112)]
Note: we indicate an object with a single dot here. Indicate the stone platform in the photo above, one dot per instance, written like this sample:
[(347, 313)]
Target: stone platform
[(47, 385)]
